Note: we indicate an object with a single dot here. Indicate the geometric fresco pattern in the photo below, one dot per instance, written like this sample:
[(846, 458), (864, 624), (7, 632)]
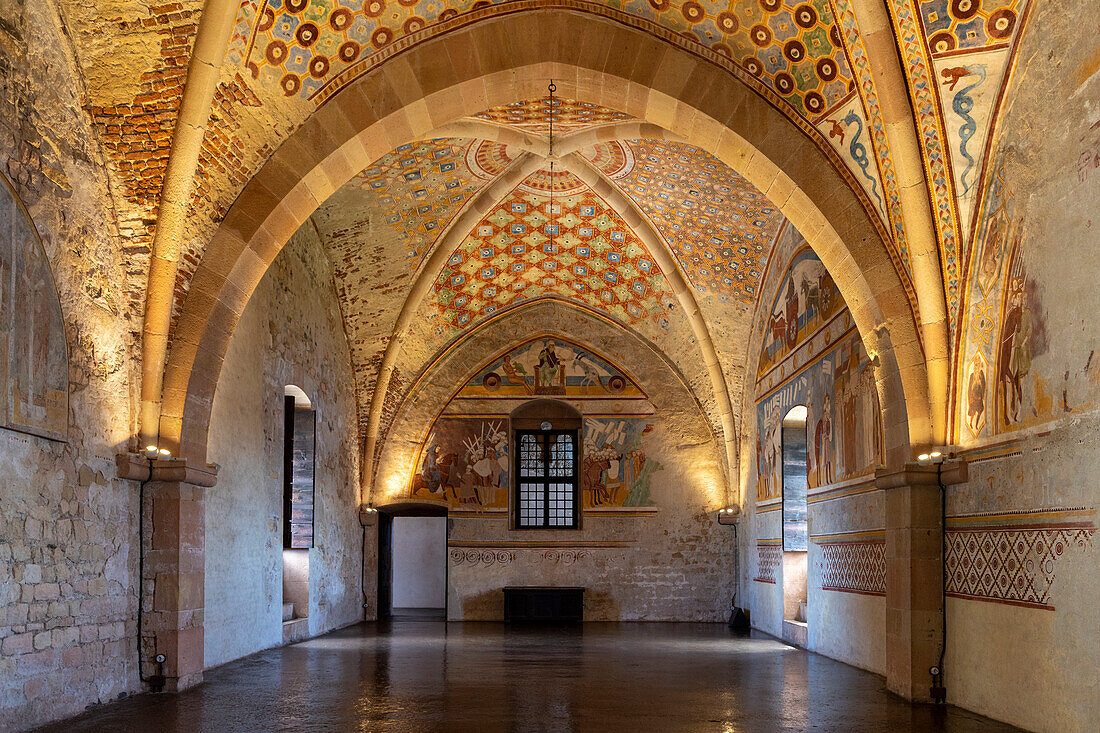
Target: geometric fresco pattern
[(854, 566), (769, 554), (582, 251), (311, 47), (954, 26), (718, 225), (793, 47), (420, 186), (1007, 564), (534, 115)]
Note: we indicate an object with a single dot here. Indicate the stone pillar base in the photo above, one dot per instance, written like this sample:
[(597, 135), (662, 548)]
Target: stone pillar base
[(173, 574), (914, 574)]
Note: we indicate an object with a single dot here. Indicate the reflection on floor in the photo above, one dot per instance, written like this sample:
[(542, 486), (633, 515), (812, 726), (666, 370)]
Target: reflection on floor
[(418, 614), (432, 676)]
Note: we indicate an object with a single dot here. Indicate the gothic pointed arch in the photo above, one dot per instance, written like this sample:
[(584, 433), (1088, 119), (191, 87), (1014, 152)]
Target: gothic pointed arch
[(34, 355)]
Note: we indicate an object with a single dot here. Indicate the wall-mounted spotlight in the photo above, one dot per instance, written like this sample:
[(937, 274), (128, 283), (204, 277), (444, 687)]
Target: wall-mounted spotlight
[(152, 451), (728, 515), (930, 459), (368, 515)]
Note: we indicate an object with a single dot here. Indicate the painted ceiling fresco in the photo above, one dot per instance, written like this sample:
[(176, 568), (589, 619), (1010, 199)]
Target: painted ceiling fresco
[(807, 58), (957, 56), (577, 248), (802, 52), (534, 115), (719, 225), (420, 186), (306, 45), (809, 55), (380, 227), (287, 56)]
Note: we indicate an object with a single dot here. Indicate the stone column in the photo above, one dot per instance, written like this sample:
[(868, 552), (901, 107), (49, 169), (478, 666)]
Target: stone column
[(173, 572), (914, 574)]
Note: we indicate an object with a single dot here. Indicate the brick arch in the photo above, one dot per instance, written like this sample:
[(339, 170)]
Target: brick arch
[(506, 58)]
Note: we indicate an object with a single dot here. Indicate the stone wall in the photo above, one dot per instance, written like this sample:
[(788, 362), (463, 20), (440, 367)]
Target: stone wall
[(665, 558), (291, 333), (68, 527)]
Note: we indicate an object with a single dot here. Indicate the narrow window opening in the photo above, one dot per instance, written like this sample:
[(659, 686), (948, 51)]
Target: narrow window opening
[(795, 523), (299, 435), (299, 445)]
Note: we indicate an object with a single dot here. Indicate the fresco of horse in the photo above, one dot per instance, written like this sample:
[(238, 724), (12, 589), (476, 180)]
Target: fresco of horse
[(464, 463), (615, 470)]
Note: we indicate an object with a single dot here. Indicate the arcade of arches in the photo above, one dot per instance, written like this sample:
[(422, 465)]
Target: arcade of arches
[(276, 270)]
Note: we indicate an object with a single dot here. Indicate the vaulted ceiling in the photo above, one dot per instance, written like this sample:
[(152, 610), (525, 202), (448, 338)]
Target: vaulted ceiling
[(434, 236), (550, 235)]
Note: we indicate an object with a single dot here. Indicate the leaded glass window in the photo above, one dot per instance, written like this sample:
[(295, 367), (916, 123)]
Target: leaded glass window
[(546, 479)]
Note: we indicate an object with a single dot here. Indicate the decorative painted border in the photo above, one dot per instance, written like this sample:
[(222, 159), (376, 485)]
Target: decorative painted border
[(843, 489), (769, 554), (481, 557), (504, 553), (766, 391), (1011, 557), (844, 17), (925, 102), (853, 562)]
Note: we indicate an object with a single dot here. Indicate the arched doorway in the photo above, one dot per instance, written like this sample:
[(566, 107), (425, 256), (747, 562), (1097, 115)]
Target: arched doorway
[(795, 525)]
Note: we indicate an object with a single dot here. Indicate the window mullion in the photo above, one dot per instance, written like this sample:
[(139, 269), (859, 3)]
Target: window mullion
[(546, 480)]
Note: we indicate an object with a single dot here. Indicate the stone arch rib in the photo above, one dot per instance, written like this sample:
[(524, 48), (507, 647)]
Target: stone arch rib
[(205, 66), (483, 65), (448, 241)]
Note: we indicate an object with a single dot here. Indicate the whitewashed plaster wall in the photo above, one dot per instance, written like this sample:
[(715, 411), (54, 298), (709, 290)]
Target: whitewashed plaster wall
[(290, 333), (419, 562)]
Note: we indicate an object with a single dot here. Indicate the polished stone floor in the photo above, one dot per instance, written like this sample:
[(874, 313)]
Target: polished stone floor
[(432, 676)]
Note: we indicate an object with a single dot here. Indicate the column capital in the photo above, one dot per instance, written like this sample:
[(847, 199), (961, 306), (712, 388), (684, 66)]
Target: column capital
[(137, 467), (953, 471)]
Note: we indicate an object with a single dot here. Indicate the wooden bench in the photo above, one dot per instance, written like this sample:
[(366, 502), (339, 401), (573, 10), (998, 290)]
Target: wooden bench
[(543, 604)]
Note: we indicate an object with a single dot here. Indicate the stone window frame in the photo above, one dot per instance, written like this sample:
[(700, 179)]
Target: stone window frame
[(297, 409)]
